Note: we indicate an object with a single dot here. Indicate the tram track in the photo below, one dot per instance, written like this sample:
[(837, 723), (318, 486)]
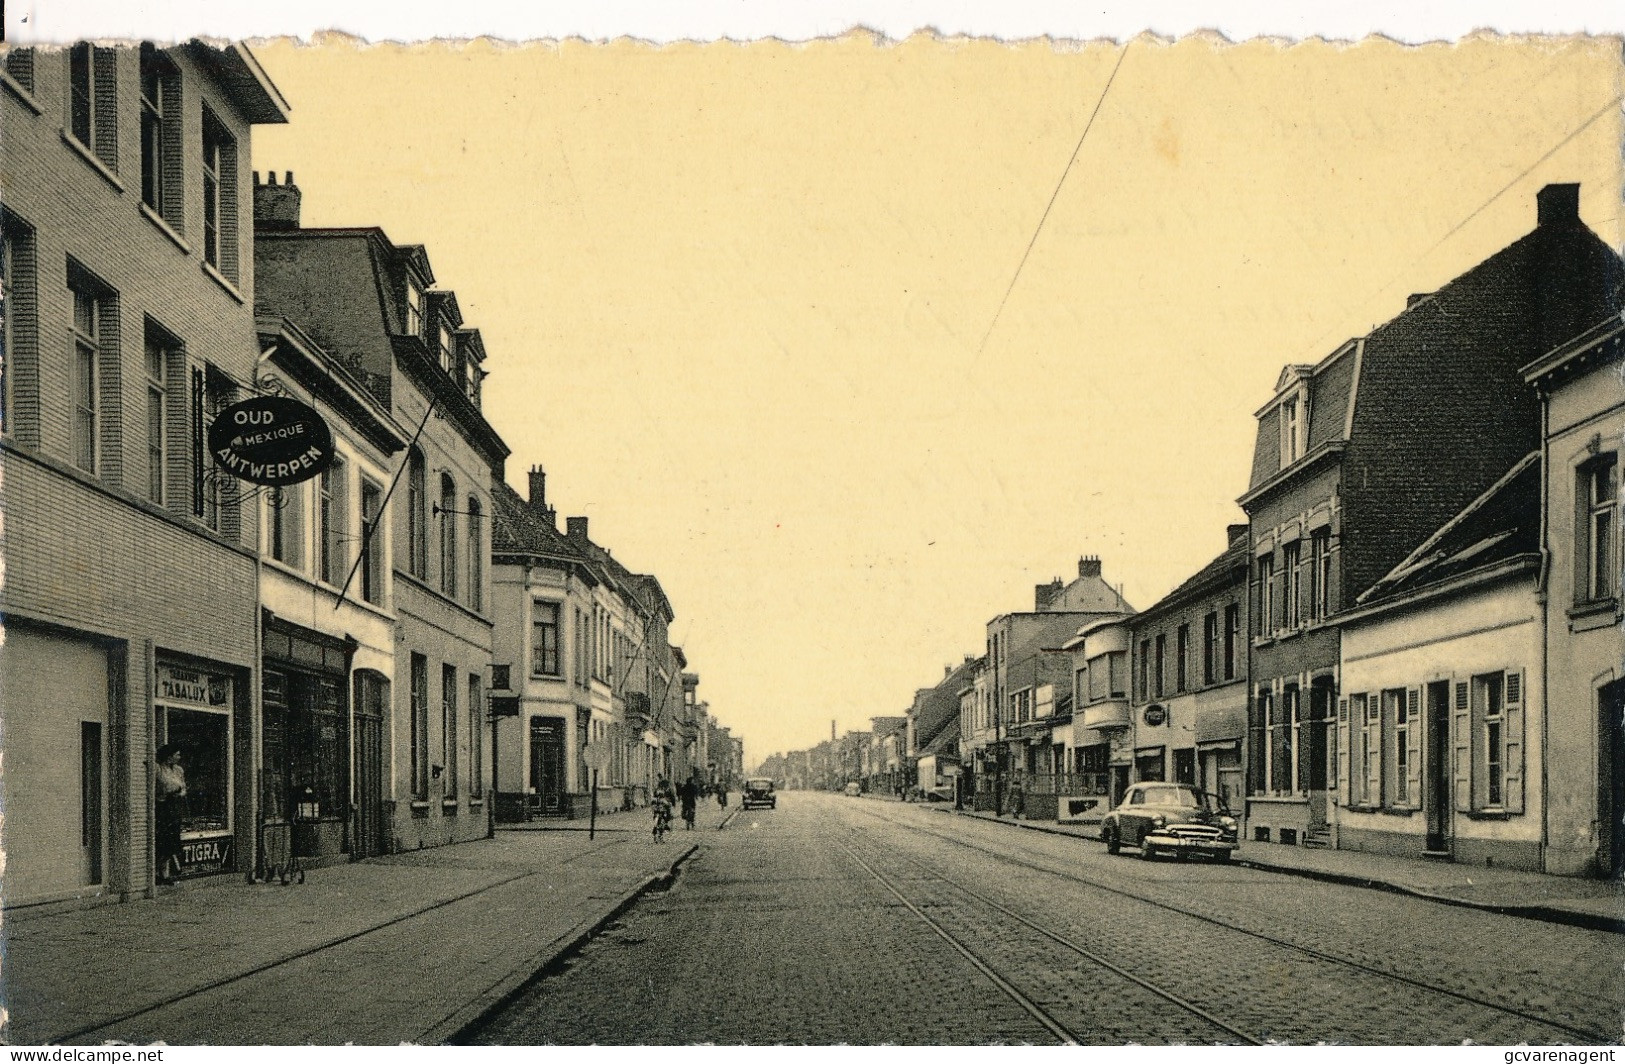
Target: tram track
[(1045, 1016), (1568, 1031)]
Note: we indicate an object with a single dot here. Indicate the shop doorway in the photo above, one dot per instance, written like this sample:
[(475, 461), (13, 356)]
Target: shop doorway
[(1185, 766), (1611, 728), (371, 696), (1436, 768), (547, 763)]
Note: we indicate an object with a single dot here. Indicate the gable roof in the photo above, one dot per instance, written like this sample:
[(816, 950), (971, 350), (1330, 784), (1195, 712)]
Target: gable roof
[(1501, 525), (1219, 573), (516, 529)]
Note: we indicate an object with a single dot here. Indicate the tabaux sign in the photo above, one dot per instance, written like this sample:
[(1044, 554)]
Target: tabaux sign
[(271, 440), (193, 687)]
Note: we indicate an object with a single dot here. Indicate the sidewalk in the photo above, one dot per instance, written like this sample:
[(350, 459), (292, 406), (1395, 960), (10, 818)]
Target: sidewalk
[(1586, 903), (406, 948)]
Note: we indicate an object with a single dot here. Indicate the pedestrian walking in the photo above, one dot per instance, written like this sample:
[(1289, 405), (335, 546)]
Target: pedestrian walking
[(169, 789), (722, 795), (689, 793)]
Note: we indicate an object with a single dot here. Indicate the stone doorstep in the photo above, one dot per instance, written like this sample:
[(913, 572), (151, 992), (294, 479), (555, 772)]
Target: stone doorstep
[(1577, 912)]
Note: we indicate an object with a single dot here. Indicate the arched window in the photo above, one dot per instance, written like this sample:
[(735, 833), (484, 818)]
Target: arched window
[(448, 535), (476, 556), (417, 526)]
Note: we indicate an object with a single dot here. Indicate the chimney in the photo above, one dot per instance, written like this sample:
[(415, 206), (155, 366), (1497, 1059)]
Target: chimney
[(276, 207), (1557, 205), (1044, 594), (1235, 532), (1089, 566), (576, 527)]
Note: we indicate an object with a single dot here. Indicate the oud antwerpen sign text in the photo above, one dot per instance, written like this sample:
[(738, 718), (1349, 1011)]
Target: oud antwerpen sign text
[(272, 440)]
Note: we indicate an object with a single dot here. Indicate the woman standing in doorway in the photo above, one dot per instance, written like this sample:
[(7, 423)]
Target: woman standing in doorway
[(170, 791)]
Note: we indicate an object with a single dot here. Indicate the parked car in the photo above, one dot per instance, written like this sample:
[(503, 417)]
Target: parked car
[(853, 790), (759, 792), (1171, 818)]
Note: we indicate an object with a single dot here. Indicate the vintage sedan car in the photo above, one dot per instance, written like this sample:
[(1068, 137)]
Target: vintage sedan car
[(1171, 818), (853, 790), (759, 792)]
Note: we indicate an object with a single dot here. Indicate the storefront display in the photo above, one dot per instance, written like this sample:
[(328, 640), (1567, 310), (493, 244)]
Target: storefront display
[(193, 711)]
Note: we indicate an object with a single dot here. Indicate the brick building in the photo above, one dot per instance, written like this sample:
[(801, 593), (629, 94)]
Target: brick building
[(130, 592), (1361, 457), (369, 304), (1188, 678)]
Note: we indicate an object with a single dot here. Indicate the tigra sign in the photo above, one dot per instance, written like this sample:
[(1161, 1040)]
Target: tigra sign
[(272, 440)]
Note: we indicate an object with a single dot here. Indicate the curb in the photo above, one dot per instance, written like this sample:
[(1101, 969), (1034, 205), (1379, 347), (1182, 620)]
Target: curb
[(729, 818), (1544, 913), (468, 1017)]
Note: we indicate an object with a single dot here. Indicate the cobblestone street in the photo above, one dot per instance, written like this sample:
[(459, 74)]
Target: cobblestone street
[(835, 919)]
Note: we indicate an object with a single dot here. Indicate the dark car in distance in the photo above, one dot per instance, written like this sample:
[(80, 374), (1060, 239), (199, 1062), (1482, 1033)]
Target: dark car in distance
[(759, 792), (1171, 818)]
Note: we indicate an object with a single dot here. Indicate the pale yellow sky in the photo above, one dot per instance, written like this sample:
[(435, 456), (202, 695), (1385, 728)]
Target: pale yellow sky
[(734, 297)]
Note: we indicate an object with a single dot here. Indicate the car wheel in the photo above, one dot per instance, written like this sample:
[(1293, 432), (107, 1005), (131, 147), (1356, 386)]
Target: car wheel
[(1114, 845)]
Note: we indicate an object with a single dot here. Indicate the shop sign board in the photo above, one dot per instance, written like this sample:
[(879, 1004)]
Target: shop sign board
[(205, 856), (273, 440), (192, 687)]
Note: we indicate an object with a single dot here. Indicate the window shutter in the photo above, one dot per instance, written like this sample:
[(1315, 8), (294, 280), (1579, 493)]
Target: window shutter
[(1512, 744), (1342, 779), (1413, 743), (1461, 737), (1374, 743)]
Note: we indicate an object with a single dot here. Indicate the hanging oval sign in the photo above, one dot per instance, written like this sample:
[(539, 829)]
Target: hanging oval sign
[(1155, 715), (271, 440)]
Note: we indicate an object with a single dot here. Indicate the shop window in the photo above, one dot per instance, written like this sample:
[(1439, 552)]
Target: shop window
[(193, 711)]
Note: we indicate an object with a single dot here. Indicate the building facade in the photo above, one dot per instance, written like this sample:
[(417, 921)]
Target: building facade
[(1583, 424), (369, 304), (1353, 468), (130, 597)]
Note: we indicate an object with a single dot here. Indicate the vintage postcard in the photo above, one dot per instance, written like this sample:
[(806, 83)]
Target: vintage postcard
[(714, 543)]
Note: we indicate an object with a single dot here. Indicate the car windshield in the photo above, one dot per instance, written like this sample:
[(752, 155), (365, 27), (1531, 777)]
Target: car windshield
[(1184, 798), (759, 785)]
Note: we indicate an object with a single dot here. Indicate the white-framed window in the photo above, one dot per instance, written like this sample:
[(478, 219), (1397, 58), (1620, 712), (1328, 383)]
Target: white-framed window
[(1021, 705), (1401, 717), (448, 535), (331, 519), (1291, 555), (1320, 574), (1598, 535), (446, 348), (544, 639), (414, 308), (219, 196), (1291, 429), (372, 542), (85, 343), (476, 555), (448, 731), (285, 525), (1488, 734), (1266, 595), (1232, 639), (417, 515), (1369, 709), (476, 748), (157, 365), (1282, 723)]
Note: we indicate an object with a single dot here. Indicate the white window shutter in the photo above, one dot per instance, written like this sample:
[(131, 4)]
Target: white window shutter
[(1512, 743), (1413, 743), (1461, 738), (1342, 778), (1373, 748)]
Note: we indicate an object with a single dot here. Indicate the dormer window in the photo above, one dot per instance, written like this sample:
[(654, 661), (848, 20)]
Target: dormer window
[(414, 309), (1292, 425), (446, 348)]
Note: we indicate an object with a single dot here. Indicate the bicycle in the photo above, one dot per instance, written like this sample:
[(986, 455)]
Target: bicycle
[(662, 820)]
